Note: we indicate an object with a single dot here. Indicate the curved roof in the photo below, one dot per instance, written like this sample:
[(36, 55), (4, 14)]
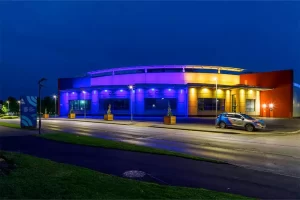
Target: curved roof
[(183, 67)]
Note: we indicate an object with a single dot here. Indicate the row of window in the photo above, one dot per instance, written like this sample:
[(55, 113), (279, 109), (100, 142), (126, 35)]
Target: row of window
[(204, 104)]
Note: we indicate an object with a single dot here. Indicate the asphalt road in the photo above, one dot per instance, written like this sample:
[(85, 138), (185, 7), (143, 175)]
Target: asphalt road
[(278, 154), (161, 169)]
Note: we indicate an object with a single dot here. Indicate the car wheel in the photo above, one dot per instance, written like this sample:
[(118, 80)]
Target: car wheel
[(222, 125), (249, 128)]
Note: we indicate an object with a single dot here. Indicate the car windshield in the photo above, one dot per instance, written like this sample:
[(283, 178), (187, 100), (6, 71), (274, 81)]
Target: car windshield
[(247, 117)]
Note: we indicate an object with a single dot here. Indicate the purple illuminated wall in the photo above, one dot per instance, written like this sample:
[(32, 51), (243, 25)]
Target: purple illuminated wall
[(147, 78)]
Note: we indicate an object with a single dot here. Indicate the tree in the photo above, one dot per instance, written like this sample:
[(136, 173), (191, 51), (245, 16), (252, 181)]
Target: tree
[(13, 104), (4, 109)]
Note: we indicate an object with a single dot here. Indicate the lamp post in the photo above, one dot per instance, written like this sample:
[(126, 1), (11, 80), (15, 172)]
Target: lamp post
[(19, 102), (40, 109), (216, 79), (7, 105), (84, 103), (55, 97), (131, 88)]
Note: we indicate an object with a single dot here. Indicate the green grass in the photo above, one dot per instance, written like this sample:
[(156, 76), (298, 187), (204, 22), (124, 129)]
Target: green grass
[(9, 117), (36, 178), (10, 125), (98, 142)]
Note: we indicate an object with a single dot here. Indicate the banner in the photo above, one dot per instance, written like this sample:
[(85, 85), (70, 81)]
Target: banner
[(28, 112)]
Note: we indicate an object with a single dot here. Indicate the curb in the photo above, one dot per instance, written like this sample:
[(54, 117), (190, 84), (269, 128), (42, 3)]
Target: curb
[(210, 131)]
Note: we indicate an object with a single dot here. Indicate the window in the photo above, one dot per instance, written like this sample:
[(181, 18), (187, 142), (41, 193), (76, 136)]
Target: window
[(160, 103), (78, 105), (210, 104), (116, 104), (238, 116), (247, 117), (250, 105)]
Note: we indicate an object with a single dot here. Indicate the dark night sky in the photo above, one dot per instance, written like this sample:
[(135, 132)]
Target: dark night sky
[(65, 39)]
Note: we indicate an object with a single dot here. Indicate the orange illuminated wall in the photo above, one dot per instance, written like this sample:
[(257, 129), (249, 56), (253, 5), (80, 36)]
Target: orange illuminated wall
[(282, 94)]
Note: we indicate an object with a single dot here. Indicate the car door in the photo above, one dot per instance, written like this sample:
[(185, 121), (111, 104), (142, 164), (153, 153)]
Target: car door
[(238, 120)]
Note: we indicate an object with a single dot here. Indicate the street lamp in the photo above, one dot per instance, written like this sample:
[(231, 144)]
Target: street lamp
[(216, 79), (84, 103), (131, 88), (40, 109), (55, 97), (19, 102), (7, 105)]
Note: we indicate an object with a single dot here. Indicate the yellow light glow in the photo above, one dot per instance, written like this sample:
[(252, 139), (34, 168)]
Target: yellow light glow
[(264, 105), (250, 91), (271, 105)]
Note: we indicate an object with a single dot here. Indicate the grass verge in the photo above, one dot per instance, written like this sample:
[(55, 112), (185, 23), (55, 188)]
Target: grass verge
[(98, 142), (10, 125), (9, 117), (36, 178)]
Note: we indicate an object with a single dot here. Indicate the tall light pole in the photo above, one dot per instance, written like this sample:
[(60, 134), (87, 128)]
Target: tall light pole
[(131, 88), (40, 110), (7, 105), (19, 102), (55, 97), (84, 104), (216, 79)]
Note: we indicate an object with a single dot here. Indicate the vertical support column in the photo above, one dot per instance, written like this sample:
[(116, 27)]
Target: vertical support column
[(257, 103), (95, 103), (228, 101), (242, 101), (139, 104), (181, 102), (192, 101)]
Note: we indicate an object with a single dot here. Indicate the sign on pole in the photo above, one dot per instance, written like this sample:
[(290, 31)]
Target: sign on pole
[(28, 112)]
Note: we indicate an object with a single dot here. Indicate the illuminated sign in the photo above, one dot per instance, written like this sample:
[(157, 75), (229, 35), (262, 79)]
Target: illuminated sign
[(28, 112)]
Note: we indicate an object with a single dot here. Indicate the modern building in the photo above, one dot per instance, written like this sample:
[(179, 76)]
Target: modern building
[(189, 90)]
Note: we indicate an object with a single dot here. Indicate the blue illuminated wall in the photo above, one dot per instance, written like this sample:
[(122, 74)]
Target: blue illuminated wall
[(137, 96)]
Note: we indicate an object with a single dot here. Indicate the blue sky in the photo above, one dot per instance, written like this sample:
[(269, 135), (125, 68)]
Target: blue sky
[(68, 38)]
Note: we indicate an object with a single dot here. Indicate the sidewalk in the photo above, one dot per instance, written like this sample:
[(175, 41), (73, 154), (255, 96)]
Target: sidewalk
[(274, 126)]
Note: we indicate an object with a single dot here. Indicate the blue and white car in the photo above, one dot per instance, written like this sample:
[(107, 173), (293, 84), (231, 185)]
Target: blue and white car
[(238, 120)]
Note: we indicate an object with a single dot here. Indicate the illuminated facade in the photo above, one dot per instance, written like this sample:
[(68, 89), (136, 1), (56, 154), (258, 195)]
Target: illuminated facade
[(190, 91)]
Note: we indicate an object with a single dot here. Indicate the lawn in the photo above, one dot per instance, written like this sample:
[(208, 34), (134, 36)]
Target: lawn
[(36, 178), (9, 117), (10, 125), (92, 141)]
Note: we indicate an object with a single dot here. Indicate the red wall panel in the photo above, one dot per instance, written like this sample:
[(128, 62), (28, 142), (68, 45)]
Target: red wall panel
[(282, 94)]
